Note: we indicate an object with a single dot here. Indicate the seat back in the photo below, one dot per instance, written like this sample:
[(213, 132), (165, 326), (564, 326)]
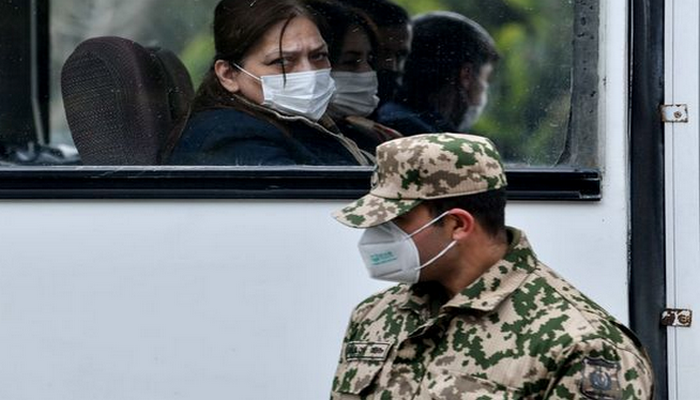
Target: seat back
[(123, 101)]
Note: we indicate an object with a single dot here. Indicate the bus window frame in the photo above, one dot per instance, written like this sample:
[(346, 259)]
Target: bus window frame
[(149, 182), (556, 183)]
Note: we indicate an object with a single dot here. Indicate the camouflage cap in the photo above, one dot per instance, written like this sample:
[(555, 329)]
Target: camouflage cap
[(423, 167)]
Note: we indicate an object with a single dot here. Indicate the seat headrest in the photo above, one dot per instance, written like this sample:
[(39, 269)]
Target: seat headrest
[(180, 97), (122, 100)]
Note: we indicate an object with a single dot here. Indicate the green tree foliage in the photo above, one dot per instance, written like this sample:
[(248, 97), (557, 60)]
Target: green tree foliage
[(530, 95)]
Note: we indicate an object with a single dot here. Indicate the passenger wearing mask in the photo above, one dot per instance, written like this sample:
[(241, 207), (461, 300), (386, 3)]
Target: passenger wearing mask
[(264, 100), (446, 80), (394, 35), (351, 41)]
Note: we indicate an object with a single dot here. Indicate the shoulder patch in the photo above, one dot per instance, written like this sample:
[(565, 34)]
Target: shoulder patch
[(600, 379), (375, 351)]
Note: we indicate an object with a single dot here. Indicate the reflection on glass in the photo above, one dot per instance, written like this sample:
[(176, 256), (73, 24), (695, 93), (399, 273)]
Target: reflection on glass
[(531, 88)]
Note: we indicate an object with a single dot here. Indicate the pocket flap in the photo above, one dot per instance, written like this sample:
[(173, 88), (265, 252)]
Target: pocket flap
[(447, 384), (362, 362)]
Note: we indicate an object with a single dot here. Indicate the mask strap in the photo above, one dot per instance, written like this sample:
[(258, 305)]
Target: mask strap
[(440, 254), (424, 227), (246, 72)]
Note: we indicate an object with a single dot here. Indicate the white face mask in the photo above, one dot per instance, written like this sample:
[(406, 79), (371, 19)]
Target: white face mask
[(390, 254), (305, 93), (474, 111), (355, 94)]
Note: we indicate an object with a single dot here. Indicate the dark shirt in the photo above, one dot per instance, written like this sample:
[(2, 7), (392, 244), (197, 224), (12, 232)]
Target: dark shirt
[(411, 122), (363, 140), (226, 136)]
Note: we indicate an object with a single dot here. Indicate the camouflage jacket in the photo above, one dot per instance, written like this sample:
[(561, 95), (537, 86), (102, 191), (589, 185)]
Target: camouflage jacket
[(517, 332)]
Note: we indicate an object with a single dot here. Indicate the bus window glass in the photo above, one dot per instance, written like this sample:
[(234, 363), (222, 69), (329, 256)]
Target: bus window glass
[(537, 102)]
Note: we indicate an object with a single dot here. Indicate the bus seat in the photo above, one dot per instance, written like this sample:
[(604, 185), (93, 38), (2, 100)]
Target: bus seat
[(124, 102)]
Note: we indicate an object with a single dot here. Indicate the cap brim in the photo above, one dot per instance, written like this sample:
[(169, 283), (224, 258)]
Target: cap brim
[(372, 210)]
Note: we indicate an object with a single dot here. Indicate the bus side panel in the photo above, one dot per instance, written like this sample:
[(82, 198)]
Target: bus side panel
[(216, 299), (244, 299)]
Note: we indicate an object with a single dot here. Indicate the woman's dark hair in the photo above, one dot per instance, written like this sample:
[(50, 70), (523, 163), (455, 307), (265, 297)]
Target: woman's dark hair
[(335, 20), (488, 208), (238, 26), (443, 42), (384, 13)]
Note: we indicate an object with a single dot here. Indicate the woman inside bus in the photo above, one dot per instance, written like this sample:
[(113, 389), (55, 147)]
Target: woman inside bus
[(352, 41), (264, 100)]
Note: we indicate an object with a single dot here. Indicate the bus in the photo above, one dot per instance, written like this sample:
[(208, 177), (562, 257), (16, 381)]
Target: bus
[(140, 280)]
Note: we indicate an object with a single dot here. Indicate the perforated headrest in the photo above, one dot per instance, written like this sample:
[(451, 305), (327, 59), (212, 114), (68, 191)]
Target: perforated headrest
[(180, 96), (122, 100)]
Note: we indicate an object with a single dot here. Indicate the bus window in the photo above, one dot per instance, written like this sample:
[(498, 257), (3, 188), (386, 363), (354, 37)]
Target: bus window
[(542, 91)]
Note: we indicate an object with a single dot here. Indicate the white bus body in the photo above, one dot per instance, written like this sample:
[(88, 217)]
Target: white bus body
[(249, 299)]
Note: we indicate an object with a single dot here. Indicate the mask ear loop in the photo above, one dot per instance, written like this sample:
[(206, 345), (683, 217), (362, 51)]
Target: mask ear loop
[(424, 227), (441, 253), (246, 72)]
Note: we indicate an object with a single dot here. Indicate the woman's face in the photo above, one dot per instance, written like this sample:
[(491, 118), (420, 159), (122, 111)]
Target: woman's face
[(303, 49), (356, 53)]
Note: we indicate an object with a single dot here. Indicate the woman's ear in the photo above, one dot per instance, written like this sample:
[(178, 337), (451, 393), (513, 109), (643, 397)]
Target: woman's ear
[(464, 224), (228, 76)]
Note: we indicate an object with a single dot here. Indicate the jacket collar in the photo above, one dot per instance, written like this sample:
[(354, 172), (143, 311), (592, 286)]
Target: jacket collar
[(325, 125), (490, 289)]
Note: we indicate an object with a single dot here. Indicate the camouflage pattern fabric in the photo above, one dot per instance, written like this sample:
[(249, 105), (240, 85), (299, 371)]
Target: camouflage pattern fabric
[(517, 332), (424, 167)]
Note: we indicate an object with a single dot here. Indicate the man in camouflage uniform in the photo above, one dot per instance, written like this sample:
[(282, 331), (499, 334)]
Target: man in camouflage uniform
[(477, 316)]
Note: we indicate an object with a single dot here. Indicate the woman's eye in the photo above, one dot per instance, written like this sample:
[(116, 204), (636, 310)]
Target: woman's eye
[(352, 62), (320, 56), (281, 62)]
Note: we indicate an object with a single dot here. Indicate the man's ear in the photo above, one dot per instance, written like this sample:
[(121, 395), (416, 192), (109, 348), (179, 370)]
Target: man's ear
[(464, 225), (466, 75), (228, 75)]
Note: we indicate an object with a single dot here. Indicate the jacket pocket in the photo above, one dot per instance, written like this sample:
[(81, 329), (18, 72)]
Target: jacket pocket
[(360, 367), (445, 384)]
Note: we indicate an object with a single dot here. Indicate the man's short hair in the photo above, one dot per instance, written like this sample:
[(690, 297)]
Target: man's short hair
[(488, 208), (443, 42)]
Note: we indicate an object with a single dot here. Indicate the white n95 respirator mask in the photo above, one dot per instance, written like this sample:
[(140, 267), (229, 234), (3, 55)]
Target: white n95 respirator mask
[(390, 254)]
